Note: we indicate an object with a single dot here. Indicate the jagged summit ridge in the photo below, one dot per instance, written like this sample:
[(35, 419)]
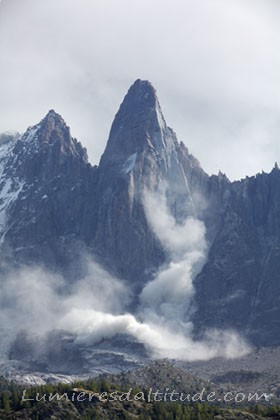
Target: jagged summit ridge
[(45, 149), (52, 131), (53, 114), (52, 121)]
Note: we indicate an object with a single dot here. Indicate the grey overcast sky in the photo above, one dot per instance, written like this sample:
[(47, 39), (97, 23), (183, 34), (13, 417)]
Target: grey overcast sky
[(214, 63)]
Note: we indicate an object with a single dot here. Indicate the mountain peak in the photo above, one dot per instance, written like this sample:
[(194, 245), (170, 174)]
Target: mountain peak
[(138, 123), (53, 119), (141, 98), (45, 129), (50, 141), (142, 92), (52, 113)]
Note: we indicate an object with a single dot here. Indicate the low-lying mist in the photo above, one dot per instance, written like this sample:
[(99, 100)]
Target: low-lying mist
[(94, 308)]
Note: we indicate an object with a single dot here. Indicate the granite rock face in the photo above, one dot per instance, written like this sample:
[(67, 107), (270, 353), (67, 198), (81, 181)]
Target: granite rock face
[(239, 285), (142, 153), (55, 208), (45, 175)]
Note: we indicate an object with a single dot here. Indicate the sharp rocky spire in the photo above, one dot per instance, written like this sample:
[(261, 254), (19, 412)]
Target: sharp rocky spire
[(138, 124)]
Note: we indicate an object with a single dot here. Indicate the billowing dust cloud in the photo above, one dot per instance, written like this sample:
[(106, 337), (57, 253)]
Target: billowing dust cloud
[(94, 308)]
